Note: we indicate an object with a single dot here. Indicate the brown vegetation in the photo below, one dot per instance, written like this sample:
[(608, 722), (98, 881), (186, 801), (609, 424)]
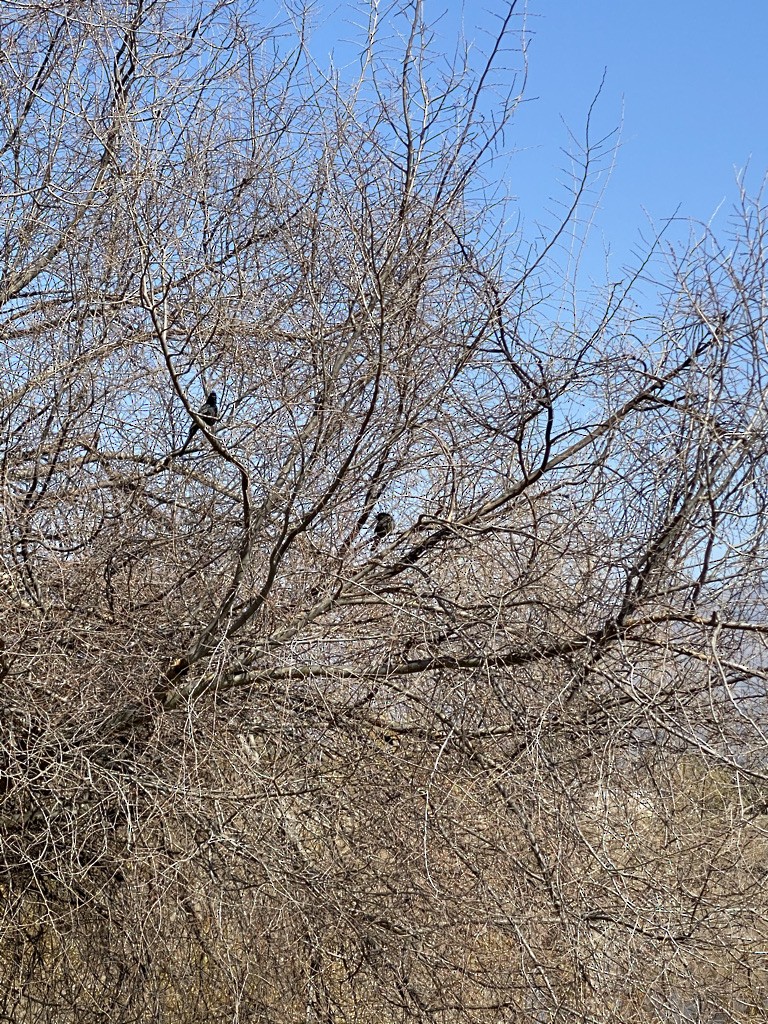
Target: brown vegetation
[(506, 764)]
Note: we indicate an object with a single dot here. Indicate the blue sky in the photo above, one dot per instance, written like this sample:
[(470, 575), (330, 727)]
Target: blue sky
[(686, 84)]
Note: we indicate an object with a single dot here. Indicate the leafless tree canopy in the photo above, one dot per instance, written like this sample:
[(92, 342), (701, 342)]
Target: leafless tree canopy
[(262, 758)]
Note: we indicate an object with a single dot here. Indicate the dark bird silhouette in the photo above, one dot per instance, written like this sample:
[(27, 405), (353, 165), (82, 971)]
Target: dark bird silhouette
[(208, 413), (383, 526)]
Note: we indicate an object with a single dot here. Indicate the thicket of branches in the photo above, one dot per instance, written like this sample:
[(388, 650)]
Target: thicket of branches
[(506, 764)]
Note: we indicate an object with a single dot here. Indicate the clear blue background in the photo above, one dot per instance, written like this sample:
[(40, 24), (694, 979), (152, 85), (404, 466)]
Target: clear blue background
[(686, 85)]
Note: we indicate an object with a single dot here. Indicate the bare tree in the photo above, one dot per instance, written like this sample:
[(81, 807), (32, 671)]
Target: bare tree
[(260, 758)]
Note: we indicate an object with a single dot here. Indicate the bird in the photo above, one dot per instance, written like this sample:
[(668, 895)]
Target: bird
[(383, 526), (208, 413)]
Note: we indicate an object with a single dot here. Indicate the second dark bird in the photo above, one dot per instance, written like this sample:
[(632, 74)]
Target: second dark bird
[(383, 526), (208, 413)]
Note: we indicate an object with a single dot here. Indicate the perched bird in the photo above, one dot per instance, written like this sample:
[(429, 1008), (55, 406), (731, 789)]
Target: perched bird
[(208, 413), (383, 526)]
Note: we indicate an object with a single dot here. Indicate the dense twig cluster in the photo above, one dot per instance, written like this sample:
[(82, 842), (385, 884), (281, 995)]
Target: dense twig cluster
[(265, 753)]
